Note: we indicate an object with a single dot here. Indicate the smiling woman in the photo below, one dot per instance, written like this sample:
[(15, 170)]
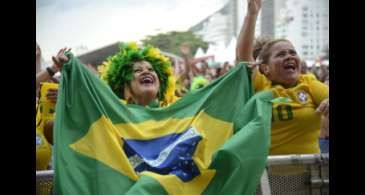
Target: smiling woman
[(145, 86), (140, 75), (295, 122), (137, 75), (285, 67)]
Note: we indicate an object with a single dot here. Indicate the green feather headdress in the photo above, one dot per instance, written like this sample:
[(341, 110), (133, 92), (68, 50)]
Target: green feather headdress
[(118, 69)]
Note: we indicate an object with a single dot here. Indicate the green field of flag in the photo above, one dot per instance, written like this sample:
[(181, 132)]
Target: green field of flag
[(212, 141)]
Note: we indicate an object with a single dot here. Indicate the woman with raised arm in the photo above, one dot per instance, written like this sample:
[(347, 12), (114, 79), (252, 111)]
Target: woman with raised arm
[(296, 118)]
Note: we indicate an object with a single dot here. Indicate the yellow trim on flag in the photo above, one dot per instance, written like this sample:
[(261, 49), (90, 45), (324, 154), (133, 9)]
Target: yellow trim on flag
[(153, 129), (104, 143), (214, 132)]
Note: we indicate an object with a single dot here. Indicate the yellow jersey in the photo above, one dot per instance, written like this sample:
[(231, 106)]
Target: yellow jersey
[(295, 125), (45, 112), (43, 148)]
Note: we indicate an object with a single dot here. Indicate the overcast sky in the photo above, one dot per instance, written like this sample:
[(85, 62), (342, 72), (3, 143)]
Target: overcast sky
[(96, 23)]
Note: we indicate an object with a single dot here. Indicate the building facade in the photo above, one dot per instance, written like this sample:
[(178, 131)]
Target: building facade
[(304, 22), (221, 26)]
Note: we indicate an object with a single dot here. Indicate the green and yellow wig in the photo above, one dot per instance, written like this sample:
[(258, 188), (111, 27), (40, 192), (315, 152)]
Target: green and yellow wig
[(117, 70), (198, 82)]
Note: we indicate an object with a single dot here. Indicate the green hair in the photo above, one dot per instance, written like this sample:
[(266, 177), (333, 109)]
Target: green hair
[(118, 69)]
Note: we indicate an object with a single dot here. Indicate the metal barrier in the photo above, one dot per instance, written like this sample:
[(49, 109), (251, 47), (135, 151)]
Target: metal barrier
[(284, 175), (296, 175), (44, 182)]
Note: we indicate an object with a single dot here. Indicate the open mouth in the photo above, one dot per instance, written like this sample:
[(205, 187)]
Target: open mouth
[(290, 66), (146, 80)]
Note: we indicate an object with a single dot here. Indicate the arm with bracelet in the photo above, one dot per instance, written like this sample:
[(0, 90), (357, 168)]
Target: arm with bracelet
[(52, 70), (45, 75)]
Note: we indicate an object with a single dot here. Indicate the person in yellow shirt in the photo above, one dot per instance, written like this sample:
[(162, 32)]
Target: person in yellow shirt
[(47, 92), (295, 118), (43, 147), (45, 101), (45, 115)]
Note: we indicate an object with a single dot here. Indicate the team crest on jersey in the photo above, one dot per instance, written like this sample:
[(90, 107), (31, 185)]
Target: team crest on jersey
[(302, 96)]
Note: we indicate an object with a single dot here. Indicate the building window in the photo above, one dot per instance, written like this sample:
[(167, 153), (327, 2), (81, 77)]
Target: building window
[(304, 34), (305, 8), (305, 53), (305, 15), (305, 46)]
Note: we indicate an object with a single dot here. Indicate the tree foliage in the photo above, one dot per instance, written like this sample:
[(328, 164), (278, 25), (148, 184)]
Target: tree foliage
[(171, 41)]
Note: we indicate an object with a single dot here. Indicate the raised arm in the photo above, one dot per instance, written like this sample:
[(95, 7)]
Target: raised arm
[(45, 75), (61, 58), (188, 70), (58, 61), (244, 48)]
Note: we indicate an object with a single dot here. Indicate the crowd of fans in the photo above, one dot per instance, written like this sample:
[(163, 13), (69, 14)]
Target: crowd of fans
[(196, 73)]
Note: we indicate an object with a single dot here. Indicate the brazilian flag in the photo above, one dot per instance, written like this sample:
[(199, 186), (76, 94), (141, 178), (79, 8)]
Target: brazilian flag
[(212, 141)]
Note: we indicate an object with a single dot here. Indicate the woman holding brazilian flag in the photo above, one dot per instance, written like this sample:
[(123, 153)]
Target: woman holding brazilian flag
[(126, 132)]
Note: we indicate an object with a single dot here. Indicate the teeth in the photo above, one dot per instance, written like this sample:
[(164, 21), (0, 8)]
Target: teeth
[(290, 65), (147, 80)]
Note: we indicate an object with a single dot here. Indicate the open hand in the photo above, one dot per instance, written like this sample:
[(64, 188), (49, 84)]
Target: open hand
[(185, 49), (60, 58), (324, 107), (253, 6)]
